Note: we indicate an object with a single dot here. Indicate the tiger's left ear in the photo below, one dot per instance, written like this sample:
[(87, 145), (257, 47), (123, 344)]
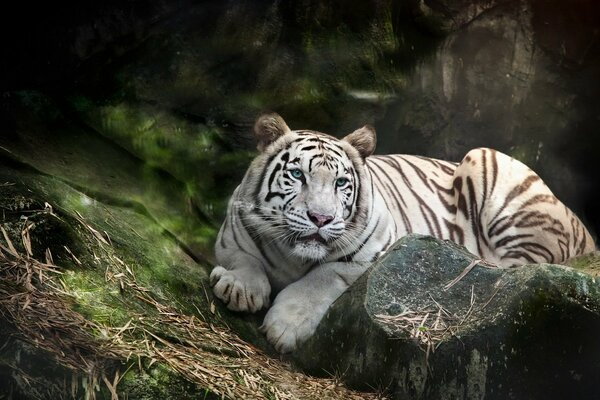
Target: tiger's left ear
[(268, 128), (363, 140)]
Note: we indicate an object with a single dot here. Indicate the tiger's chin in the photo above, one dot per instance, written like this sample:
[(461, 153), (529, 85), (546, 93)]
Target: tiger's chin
[(310, 250)]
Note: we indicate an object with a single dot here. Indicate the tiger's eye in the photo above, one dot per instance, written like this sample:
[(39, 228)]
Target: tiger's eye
[(341, 182), (296, 173)]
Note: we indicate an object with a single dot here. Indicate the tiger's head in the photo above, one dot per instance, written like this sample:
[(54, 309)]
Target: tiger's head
[(310, 190)]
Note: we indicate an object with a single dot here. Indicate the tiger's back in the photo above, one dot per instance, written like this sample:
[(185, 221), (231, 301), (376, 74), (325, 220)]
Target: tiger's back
[(491, 203), (417, 191)]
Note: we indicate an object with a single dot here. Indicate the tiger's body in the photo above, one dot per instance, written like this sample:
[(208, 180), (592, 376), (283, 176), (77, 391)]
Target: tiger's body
[(491, 203), (313, 212)]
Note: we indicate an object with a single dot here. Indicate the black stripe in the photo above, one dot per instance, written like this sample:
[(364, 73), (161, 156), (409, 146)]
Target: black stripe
[(516, 191), (334, 151), (308, 148), (517, 255), (391, 189), (388, 243), (451, 208), (419, 173), (452, 229), (288, 201), (310, 163), (262, 178), (474, 213), (539, 198), (349, 257), (494, 170), (536, 248), (446, 167), (358, 193), (506, 240)]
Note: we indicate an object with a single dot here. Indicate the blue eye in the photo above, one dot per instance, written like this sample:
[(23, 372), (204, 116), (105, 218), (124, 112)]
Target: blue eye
[(339, 182), (296, 173)]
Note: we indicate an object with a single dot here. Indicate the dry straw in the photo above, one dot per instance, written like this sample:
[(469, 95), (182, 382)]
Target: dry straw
[(430, 326), (36, 302)]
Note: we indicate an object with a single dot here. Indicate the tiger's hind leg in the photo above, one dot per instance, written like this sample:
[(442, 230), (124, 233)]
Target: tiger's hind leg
[(509, 216)]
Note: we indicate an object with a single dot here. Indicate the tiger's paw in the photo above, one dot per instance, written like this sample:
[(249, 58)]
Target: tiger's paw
[(289, 324), (241, 290)]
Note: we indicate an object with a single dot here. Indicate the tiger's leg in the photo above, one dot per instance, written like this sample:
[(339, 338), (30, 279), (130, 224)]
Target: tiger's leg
[(242, 285), (298, 309), (240, 280), (509, 216)]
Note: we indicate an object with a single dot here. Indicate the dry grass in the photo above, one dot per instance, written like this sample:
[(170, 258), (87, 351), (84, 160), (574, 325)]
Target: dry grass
[(210, 355), (428, 327), (33, 300), (431, 325)]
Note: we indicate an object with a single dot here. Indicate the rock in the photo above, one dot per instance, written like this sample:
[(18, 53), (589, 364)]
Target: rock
[(429, 321), (452, 15)]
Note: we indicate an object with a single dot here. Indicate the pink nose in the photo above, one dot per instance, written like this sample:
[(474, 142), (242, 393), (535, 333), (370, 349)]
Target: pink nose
[(319, 219)]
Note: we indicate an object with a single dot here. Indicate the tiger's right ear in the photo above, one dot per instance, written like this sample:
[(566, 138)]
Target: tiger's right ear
[(363, 140), (268, 128)]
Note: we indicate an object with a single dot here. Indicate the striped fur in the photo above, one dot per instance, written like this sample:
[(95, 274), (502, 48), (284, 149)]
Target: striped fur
[(490, 203), (312, 212)]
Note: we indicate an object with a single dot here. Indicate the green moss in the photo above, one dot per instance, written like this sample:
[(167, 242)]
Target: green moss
[(194, 153), (95, 298), (588, 263), (103, 239), (158, 381)]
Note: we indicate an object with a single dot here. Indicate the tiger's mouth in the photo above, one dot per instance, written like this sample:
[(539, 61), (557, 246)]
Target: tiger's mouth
[(313, 237)]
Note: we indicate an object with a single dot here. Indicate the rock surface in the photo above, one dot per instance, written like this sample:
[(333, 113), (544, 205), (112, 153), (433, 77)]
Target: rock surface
[(428, 321)]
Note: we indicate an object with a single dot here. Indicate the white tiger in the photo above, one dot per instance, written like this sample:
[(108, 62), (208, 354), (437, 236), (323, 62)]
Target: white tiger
[(313, 212)]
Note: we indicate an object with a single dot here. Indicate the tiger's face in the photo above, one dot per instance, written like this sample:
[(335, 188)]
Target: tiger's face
[(308, 192), (312, 184)]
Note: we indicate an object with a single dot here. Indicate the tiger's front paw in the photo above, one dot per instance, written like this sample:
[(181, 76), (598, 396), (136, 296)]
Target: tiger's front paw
[(289, 324), (241, 290)]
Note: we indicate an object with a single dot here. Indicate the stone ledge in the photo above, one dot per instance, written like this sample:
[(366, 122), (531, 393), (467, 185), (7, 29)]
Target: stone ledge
[(410, 327)]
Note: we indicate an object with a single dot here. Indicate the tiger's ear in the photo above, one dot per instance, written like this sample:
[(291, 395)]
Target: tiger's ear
[(363, 140), (268, 128)]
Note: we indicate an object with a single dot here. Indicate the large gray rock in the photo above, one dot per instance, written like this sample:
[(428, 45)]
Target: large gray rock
[(417, 325)]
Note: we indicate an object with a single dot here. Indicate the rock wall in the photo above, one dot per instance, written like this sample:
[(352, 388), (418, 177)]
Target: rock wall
[(510, 77)]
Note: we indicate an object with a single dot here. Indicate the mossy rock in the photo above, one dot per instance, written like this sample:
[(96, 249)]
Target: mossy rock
[(430, 321), (588, 263)]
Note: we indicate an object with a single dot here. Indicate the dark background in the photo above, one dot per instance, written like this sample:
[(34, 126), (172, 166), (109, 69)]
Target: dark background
[(179, 83)]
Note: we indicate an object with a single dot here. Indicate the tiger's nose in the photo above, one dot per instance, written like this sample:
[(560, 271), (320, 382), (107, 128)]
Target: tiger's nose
[(319, 219)]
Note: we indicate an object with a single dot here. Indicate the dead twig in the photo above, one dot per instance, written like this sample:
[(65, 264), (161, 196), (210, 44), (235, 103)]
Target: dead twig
[(465, 271)]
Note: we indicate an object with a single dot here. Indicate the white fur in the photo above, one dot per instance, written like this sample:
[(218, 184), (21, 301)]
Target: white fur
[(297, 269), (266, 245)]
